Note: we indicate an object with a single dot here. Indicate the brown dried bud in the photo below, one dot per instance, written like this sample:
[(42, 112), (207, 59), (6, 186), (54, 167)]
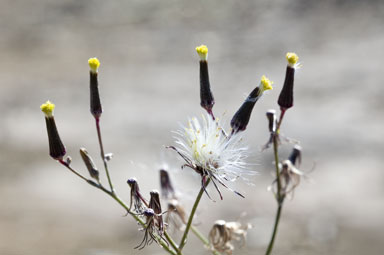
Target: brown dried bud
[(88, 161)]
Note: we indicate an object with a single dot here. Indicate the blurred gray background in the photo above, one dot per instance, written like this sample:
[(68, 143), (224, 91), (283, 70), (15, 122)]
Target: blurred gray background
[(149, 84)]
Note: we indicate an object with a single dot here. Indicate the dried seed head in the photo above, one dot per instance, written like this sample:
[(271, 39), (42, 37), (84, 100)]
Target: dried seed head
[(222, 233), (154, 203), (241, 118), (167, 190), (56, 147), (206, 97), (89, 163), (176, 215), (95, 103), (137, 200)]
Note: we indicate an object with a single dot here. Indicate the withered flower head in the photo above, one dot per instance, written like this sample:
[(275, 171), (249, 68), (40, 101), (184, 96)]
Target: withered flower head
[(167, 190), (206, 97), (95, 103), (56, 147), (136, 198), (149, 234), (154, 203), (222, 233), (241, 118), (290, 176), (88, 161), (176, 215)]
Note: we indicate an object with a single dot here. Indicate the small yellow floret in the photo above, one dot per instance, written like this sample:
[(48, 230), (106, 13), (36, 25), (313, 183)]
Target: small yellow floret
[(94, 64), (292, 58), (202, 50), (266, 84), (47, 108)]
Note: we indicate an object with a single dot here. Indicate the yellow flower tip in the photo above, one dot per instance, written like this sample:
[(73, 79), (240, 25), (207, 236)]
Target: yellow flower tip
[(94, 64), (266, 84), (202, 50), (292, 58), (47, 108)]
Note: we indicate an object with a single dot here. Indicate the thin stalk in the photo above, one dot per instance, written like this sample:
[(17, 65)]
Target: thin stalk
[(126, 207), (170, 240), (279, 196), (72, 170), (277, 220), (204, 240), (103, 154), (189, 223)]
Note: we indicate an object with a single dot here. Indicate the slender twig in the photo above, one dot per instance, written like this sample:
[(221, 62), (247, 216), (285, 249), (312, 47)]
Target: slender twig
[(103, 154), (189, 223), (204, 240), (170, 240), (126, 207), (279, 196)]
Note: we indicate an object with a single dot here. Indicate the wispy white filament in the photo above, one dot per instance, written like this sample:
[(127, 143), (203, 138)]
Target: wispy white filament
[(207, 146)]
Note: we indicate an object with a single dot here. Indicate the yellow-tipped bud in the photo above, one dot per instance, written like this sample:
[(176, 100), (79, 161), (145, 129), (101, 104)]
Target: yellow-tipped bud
[(202, 50), (292, 58), (94, 64), (265, 84), (47, 108)]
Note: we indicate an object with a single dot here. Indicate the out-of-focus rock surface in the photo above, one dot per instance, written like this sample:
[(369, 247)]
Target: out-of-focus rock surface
[(149, 84)]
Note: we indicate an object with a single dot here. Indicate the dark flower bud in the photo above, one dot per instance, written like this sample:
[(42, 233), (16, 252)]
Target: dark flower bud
[(56, 147), (206, 98), (295, 155), (271, 116), (96, 108), (167, 190), (286, 95), (88, 161), (241, 118)]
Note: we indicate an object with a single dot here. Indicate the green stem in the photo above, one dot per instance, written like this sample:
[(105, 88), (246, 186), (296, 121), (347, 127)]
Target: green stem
[(126, 207), (204, 240), (279, 196), (189, 223), (277, 220), (103, 154)]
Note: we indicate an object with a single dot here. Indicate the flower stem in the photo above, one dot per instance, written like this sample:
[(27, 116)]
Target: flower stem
[(126, 207), (103, 154), (277, 219), (204, 240), (279, 196), (189, 224)]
